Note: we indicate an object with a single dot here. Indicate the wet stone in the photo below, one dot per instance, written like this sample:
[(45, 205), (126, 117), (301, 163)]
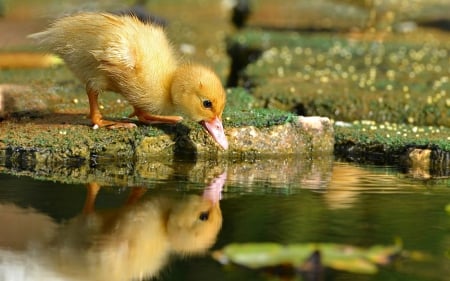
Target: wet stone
[(64, 138), (346, 78), (19, 100), (277, 170), (384, 95)]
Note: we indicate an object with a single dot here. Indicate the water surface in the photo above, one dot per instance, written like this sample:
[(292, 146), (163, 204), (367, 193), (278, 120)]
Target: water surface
[(47, 228)]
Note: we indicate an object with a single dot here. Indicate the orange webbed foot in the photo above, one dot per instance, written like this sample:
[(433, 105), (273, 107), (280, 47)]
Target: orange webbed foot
[(96, 116), (148, 118), (100, 123)]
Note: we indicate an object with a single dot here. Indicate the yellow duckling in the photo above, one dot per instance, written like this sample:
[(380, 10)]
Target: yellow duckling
[(132, 242), (123, 55)]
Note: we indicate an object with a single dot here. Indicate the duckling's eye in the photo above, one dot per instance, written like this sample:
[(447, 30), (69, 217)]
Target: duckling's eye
[(204, 216), (207, 103)]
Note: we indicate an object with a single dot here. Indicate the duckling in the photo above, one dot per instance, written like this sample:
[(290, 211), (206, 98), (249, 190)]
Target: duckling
[(123, 55), (136, 241), (132, 242)]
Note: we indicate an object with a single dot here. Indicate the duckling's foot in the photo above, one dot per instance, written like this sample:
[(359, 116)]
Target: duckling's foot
[(95, 114), (155, 119), (113, 124)]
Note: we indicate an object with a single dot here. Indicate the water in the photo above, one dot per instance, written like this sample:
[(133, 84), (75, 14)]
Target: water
[(49, 232)]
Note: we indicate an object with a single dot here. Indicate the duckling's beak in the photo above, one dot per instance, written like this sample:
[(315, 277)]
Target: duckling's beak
[(215, 129), (213, 192)]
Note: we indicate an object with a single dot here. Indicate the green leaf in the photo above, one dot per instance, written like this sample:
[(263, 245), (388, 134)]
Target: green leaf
[(337, 256), (447, 208)]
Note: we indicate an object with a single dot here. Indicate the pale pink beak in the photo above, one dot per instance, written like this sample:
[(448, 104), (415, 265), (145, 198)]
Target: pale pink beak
[(213, 192), (215, 129)]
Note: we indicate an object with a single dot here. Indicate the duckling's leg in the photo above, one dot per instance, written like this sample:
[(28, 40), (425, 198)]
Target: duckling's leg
[(135, 195), (154, 119), (96, 115), (89, 204)]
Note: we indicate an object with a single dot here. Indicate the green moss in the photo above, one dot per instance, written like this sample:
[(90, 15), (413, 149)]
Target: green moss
[(344, 79), (239, 99), (240, 111), (393, 137), (73, 139), (267, 39), (65, 128), (256, 117)]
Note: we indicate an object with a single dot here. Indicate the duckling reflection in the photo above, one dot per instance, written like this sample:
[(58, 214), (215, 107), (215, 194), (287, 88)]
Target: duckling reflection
[(135, 241)]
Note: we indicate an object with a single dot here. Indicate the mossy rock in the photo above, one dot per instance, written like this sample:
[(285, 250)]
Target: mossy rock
[(400, 86), (330, 74), (423, 151), (157, 171), (64, 136)]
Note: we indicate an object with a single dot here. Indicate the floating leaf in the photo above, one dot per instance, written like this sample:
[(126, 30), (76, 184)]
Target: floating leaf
[(382, 255), (256, 255), (447, 208), (347, 258), (337, 256)]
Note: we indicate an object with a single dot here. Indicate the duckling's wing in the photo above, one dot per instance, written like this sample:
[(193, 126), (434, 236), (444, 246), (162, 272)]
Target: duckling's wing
[(117, 55), (116, 48), (90, 41)]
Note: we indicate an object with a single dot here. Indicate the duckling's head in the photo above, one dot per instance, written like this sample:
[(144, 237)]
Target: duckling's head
[(193, 225), (198, 94)]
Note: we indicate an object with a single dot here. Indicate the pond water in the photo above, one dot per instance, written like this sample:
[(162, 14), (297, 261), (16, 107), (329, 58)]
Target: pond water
[(50, 230)]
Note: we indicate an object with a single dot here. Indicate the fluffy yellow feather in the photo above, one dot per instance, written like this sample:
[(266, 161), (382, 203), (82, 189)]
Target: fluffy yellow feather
[(132, 242), (136, 60)]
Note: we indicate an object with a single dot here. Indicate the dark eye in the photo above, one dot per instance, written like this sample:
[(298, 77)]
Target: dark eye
[(207, 103), (204, 216)]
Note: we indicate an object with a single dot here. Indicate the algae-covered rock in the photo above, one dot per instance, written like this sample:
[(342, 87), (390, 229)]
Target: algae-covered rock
[(400, 85), (49, 137), (345, 79), (290, 69), (279, 171), (64, 147), (423, 151)]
